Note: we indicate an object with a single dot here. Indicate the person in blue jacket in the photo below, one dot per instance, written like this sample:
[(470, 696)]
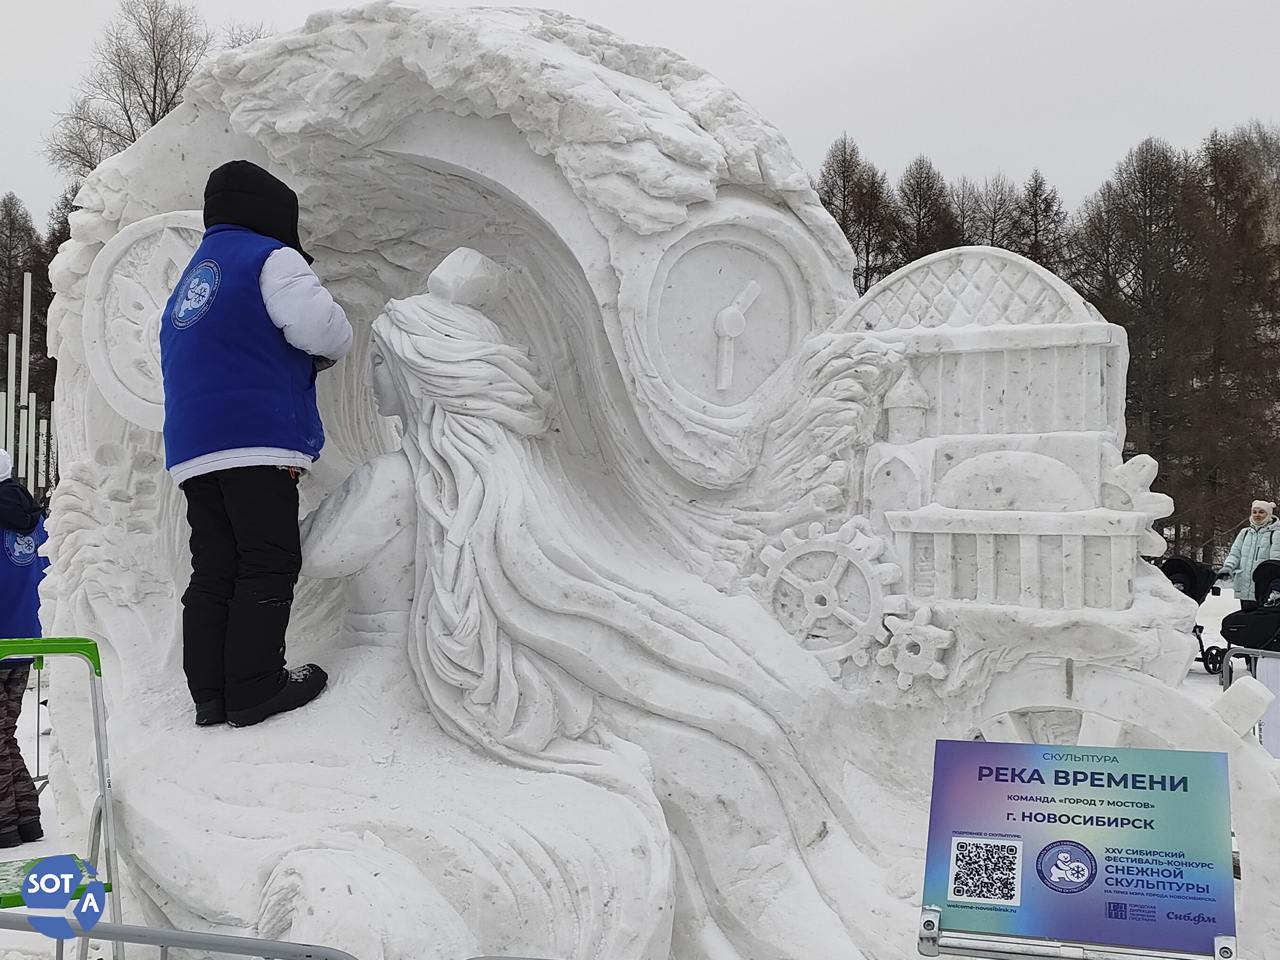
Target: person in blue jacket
[(21, 569), (1257, 542), (242, 338)]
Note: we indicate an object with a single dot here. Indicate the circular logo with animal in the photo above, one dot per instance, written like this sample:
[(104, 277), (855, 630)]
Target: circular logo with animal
[(20, 548), (196, 293), (1066, 866)]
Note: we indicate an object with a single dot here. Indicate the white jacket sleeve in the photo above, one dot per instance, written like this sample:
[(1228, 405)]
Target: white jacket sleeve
[(302, 308)]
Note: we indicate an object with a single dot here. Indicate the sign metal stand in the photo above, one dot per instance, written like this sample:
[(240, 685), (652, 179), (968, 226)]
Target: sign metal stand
[(935, 941)]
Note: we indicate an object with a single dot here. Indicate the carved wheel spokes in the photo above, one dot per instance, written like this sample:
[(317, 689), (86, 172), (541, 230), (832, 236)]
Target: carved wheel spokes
[(827, 590)]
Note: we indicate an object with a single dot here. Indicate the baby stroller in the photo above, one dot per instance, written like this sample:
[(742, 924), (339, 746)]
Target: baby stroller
[(1259, 628), (1196, 580)]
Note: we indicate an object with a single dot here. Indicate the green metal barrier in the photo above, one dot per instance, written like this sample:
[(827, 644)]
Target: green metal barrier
[(102, 820), (40, 647)]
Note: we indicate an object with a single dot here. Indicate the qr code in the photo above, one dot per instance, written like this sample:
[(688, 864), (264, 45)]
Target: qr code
[(985, 871)]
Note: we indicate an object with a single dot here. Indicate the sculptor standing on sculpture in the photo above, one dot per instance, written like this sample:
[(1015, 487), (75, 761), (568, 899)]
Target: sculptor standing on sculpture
[(242, 339)]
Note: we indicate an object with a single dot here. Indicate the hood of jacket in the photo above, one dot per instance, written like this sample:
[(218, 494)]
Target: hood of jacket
[(18, 508), (243, 194)]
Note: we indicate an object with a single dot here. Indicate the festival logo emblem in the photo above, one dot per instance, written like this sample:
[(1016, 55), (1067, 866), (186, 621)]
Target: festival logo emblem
[(56, 889), (196, 294), (20, 548), (1066, 866)]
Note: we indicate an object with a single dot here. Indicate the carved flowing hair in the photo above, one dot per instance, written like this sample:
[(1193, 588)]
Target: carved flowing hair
[(470, 401), (527, 629)]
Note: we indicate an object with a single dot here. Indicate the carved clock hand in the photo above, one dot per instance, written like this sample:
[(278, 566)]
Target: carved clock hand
[(729, 325)]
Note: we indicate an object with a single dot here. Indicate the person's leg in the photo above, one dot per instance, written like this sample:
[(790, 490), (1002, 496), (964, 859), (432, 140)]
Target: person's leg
[(205, 604), (9, 836), (25, 797), (262, 505), (1248, 604)]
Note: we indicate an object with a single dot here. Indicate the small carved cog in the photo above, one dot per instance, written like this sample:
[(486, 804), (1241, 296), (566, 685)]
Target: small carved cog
[(828, 590), (915, 648)]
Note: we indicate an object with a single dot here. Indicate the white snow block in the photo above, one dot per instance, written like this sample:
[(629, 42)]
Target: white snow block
[(1243, 704)]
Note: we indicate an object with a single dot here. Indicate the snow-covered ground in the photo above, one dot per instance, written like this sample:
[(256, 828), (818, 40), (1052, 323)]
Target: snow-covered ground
[(1199, 683)]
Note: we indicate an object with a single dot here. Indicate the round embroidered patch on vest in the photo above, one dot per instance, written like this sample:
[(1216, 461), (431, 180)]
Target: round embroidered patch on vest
[(20, 548), (199, 287)]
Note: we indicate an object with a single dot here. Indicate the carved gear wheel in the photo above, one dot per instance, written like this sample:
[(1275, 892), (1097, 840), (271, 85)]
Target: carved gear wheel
[(916, 647), (828, 590)]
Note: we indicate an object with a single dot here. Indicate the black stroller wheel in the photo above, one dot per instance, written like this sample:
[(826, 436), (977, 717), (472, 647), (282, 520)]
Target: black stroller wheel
[(1213, 660)]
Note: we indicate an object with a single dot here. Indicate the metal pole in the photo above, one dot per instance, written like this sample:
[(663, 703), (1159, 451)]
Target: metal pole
[(26, 334), (11, 392), (19, 453), (53, 442), (30, 450), (108, 811), (187, 940), (39, 677), (42, 457)]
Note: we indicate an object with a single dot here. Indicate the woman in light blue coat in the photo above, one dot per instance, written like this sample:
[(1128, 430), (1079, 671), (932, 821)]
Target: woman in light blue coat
[(1255, 543)]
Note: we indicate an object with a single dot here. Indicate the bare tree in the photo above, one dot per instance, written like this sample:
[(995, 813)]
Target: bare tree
[(966, 207), (22, 250), (837, 182), (997, 202), (878, 221), (860, 200), (928, 224), (19, 252), (140, 67), (1259, 144), (241, 32), (1040, 223)]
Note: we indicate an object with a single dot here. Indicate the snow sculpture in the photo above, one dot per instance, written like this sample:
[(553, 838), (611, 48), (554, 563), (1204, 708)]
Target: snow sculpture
[(648, 595), (1047, 516)]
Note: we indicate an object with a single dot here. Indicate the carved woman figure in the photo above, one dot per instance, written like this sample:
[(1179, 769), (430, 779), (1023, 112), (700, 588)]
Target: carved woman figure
[(542, 634)]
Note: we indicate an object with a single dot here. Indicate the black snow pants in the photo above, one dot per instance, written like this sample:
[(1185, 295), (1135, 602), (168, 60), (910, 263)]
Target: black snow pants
[(19, 802), (245, 558)]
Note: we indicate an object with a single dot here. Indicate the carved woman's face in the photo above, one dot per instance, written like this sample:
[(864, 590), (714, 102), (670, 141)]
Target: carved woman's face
[(385, 396)]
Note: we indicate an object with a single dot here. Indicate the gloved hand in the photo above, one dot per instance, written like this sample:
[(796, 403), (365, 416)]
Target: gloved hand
[(322, 363), (1223, 573)]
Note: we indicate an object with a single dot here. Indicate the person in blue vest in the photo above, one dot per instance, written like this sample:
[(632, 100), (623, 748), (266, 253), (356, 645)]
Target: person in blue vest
[(1258, 542), (21, 569), (243, 336)]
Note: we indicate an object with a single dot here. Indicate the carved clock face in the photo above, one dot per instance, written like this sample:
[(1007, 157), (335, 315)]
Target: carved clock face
[(729, 307), (125, 295)]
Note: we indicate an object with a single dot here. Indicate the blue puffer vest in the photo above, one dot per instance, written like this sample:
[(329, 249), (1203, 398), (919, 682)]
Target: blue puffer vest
[(21, 569), (231, 380)]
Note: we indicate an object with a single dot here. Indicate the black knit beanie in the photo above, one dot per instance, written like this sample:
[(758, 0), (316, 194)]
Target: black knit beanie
[(243, 194)]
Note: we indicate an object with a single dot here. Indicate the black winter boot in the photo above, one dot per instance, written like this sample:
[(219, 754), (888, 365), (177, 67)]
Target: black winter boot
[(31, 831), (302, 685), (211, 713)]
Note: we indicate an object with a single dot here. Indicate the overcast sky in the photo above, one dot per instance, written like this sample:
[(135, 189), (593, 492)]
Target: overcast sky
[(978, 85)]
